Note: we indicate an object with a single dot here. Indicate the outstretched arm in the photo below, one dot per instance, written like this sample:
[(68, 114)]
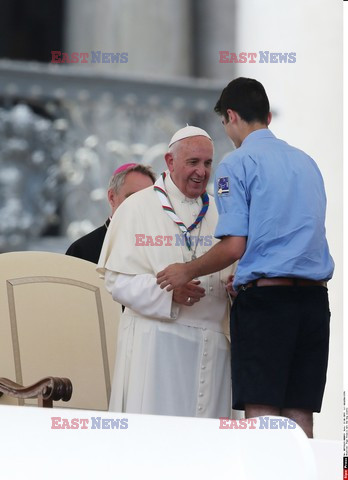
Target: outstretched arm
[(222, 255)]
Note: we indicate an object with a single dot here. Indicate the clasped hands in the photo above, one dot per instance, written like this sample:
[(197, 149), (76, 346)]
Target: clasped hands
[(188, 294), (177, 277)]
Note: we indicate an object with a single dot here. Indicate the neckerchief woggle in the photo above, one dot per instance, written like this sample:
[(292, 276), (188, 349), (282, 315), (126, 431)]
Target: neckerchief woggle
[(160, 189)]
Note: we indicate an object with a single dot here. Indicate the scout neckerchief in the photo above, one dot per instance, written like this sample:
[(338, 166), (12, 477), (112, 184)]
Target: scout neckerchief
[(160, 189)]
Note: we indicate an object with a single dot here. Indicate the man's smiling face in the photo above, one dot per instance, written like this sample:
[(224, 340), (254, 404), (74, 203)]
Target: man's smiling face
[(189, 162)]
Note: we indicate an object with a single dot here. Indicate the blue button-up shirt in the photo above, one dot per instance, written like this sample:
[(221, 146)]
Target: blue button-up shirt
[(273, 194)]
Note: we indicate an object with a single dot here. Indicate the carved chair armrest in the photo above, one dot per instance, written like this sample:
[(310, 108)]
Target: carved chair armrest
[(46, 390)]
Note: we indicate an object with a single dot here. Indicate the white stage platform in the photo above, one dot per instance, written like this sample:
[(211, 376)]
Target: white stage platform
[(155, 447)]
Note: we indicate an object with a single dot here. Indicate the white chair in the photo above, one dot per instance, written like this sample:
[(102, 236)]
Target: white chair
[(57, 319)]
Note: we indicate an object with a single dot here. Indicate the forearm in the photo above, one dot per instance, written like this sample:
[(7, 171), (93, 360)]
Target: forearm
[(220, 256), (142, 294)]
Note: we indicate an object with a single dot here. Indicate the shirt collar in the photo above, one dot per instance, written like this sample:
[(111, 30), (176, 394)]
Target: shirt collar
[(258, 134), (173, 191)]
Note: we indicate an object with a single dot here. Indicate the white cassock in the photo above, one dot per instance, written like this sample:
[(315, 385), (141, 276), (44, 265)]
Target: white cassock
[(171, 359)]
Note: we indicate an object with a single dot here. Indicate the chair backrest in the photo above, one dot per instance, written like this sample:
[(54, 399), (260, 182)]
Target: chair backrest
[(57, 319)]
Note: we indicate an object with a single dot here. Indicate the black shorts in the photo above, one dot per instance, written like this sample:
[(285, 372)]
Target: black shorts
[(279, 346)]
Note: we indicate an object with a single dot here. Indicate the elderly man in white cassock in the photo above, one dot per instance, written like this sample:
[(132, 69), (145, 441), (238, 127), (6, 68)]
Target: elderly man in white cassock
[(173, 354)]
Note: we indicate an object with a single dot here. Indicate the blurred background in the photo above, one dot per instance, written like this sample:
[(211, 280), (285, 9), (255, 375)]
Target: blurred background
[(65, 127)]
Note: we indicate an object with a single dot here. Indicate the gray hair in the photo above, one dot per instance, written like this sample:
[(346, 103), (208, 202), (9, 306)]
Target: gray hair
[(117, 180)]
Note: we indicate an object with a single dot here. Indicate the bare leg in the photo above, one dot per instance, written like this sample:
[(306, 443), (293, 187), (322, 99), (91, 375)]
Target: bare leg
[(304, 418), (252, 410)]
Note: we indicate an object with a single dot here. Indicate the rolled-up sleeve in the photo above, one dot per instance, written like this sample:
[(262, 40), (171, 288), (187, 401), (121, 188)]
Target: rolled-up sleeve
[(231, 200)]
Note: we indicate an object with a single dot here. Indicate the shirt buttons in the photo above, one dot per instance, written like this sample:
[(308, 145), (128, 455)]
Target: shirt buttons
[(205, 339), (210, 289), (205, 353), (200, 394), (200, 408), (202, 381), (203, 367)]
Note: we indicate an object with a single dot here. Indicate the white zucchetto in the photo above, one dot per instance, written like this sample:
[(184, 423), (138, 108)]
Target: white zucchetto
[(188, 131)]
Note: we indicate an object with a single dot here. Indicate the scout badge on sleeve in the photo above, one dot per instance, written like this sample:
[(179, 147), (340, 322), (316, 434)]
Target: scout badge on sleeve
[(223, 186)]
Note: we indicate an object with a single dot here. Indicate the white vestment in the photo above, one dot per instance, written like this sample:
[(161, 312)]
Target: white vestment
[(171, 359)]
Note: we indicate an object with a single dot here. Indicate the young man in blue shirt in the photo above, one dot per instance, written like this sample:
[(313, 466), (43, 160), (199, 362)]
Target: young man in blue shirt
[(271, 202)]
